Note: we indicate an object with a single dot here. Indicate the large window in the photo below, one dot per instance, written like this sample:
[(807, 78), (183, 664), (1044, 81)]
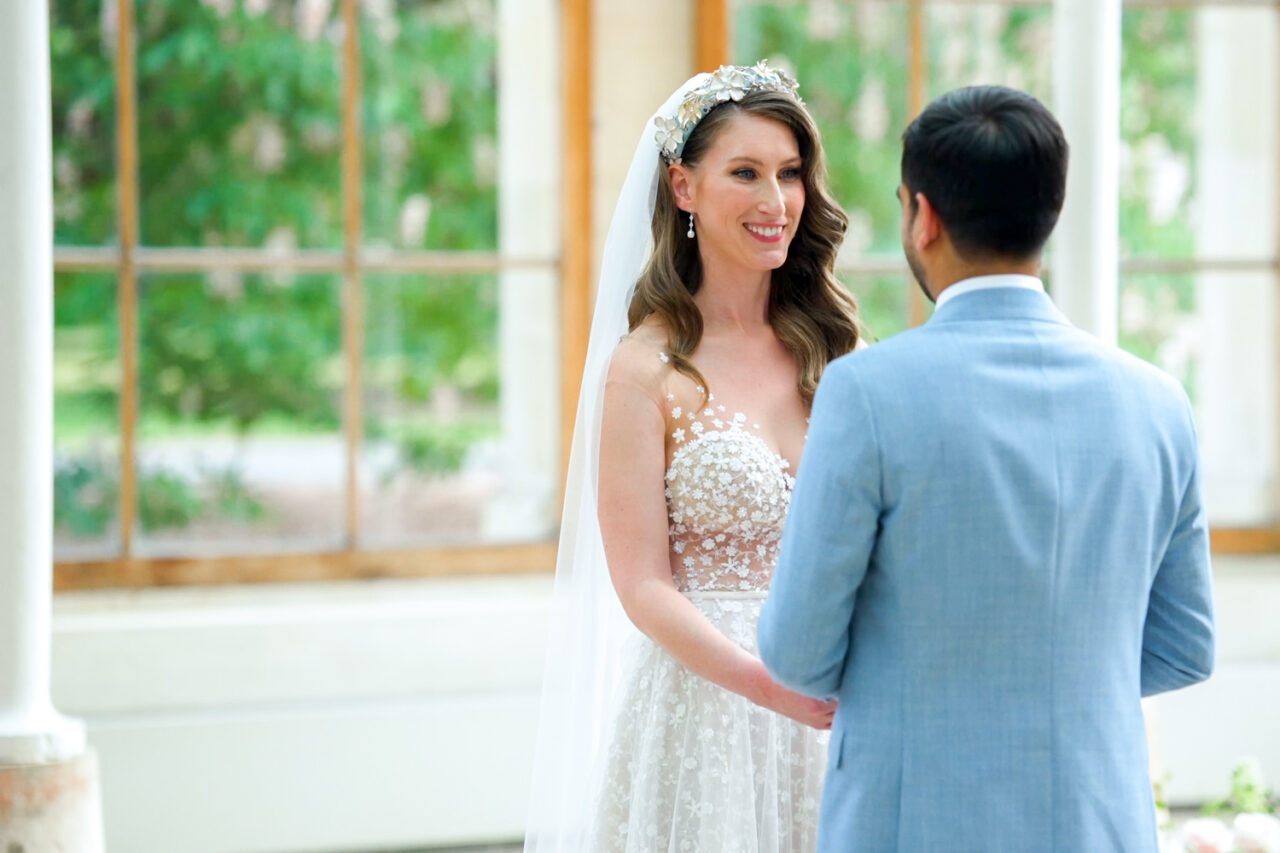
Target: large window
[(313, 314), (305, 288), (1198, 214)]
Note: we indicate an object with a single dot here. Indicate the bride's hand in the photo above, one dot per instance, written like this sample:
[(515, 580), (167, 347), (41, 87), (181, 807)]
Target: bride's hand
[(803, 709)]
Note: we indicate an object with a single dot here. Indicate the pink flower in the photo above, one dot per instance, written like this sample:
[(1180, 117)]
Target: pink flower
[(1207, 835)]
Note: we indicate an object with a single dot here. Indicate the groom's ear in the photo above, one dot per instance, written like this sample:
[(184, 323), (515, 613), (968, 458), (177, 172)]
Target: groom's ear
[(681, 186), (927, 227)]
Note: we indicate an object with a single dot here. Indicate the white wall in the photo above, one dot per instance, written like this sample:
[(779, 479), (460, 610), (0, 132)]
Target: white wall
[(351, 716)]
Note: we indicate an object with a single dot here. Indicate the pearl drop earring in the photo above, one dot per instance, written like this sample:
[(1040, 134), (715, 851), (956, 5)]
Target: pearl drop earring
[(689, 233)]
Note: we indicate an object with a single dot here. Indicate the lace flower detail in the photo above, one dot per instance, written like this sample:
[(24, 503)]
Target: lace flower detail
[(727, 498)]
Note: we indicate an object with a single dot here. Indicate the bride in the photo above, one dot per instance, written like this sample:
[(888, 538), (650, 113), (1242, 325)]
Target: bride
[(717, 276)]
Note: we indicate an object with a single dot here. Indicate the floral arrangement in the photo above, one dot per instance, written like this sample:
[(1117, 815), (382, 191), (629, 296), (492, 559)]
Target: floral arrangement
[(1244, 822)]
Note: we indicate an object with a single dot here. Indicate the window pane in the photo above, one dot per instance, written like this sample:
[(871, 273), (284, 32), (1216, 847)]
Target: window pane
[(882, 302), (82, 40), (851, 62), (239, 444), (1158, 133), (430, 125), (460, 410), (1159, 322), (990, 43), (239, 130), (1216, 332), (86, 430), (1199, 132)]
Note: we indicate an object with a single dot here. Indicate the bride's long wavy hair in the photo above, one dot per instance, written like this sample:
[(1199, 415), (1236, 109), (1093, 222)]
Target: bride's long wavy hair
[(813, 316)]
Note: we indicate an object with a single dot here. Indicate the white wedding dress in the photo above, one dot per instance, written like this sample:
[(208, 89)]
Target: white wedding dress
[(692, 766)]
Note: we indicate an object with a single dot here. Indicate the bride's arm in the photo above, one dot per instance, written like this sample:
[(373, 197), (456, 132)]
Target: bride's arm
[(633, 523)]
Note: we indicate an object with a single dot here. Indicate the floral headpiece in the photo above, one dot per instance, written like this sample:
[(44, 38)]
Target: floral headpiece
[(728, 83)]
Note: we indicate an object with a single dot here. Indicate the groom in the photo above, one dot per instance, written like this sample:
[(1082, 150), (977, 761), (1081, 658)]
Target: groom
[(996, 543)]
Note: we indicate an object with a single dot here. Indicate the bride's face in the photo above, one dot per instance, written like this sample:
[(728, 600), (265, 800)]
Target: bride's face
[(746, 194)]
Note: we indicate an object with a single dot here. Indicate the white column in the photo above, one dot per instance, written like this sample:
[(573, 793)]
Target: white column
[(1238, 380), (30, 730), (49, 777), (528, 226), (1086, 76), (641, 53)]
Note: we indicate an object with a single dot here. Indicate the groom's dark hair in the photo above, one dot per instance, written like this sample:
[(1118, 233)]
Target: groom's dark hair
[(993, 163)]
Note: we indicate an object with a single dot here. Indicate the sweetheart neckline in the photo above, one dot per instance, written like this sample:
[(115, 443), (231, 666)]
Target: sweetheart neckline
[(786, 465)]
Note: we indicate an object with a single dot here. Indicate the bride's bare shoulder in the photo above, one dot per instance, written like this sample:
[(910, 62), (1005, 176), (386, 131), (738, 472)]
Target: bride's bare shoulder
[(651, 332), (640, 359)]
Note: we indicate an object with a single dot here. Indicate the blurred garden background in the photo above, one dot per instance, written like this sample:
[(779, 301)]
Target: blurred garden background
[(239, 378)]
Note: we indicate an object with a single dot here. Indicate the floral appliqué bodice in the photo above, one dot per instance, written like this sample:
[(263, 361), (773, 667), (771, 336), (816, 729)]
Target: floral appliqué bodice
[(727, 498)]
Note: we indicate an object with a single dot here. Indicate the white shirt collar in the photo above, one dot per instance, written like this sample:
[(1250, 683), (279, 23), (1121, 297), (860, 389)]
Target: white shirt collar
[(986, 282)]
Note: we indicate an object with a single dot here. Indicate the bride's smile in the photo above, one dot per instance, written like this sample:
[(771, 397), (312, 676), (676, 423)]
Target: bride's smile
[(746, 195)]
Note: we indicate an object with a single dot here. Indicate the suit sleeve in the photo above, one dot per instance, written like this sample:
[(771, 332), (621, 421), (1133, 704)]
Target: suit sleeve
[(1178, 637), (827, 544)]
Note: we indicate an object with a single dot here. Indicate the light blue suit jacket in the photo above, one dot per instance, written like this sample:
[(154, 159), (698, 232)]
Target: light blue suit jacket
[(995, 546)]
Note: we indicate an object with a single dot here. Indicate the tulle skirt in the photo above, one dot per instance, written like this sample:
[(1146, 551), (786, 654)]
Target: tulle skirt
[(694, 767)]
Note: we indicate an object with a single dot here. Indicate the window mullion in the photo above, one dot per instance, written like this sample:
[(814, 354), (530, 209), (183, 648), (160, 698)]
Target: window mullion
[(127, 283), (352, 280)]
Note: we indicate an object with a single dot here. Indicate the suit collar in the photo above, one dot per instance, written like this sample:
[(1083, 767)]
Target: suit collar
[(1002, 303), (987, 282)]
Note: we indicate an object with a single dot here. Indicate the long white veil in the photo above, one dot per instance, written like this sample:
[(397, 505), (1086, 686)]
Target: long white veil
[(588, 625)]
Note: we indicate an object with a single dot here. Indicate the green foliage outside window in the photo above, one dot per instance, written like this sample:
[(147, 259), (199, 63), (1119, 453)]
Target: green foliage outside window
[(86, 489), (240, 145), (83, 123), (232, 349), (430, 126), (1158, 94)]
